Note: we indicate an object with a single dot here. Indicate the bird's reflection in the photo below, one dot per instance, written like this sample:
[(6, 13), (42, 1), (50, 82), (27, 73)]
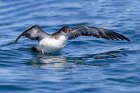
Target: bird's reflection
[(48, 60), (58, 61), (109, 55)]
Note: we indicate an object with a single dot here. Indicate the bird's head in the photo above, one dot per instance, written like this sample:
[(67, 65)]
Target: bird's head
[(66, 30)]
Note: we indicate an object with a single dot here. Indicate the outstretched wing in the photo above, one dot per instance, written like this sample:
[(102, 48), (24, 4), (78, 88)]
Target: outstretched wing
[(97, 32), (33, 33)]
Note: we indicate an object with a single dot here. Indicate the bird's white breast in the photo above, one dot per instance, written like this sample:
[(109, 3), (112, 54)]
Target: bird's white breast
[(50, 45)]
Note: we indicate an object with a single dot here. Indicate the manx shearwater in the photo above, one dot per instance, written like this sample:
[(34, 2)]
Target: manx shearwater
[(48, 43)]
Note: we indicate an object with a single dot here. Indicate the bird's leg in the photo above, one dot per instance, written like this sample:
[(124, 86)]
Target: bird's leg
[(34, 49), (41, 51)]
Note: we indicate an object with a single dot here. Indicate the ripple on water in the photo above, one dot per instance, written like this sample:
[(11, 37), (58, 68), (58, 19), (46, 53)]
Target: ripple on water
[(86, 64)]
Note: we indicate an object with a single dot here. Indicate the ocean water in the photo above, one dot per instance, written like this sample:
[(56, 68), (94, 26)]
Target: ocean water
[(86, 64)]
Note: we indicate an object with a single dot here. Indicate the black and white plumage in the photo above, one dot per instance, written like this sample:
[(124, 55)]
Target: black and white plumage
[(49, 43)]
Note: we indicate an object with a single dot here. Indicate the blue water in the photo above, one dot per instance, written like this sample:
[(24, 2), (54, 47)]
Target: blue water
[(86, 64)]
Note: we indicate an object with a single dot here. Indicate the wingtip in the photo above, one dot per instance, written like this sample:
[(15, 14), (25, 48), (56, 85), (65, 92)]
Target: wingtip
[(127, 39), (14, 43)]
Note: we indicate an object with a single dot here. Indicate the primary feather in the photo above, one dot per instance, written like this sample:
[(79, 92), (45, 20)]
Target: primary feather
[(97, 32), (33, 33)]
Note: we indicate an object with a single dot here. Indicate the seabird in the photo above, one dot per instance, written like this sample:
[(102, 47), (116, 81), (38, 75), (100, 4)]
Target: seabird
[(48, 43)]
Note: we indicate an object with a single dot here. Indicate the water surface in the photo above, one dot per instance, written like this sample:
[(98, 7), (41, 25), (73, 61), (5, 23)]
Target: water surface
[(86, 64)]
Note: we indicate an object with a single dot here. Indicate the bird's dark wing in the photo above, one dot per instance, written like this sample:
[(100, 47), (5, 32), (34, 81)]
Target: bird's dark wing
[(33, 33), (95, 31)]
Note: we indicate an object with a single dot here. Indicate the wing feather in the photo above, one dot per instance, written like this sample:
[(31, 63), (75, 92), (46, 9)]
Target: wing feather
[(33, 33), (97, 32)]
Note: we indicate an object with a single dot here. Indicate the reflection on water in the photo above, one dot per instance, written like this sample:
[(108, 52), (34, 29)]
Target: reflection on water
[(59, 61), (49, 61), (110, 54)]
